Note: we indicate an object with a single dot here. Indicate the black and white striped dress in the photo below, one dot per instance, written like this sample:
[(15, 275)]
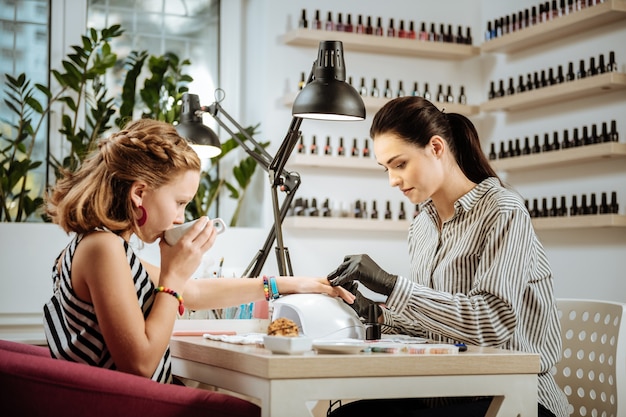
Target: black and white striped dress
[(71, 325), (481, 278)]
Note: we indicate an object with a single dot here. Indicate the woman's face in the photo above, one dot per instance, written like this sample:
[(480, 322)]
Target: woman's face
[(165, 206), (417, 172)]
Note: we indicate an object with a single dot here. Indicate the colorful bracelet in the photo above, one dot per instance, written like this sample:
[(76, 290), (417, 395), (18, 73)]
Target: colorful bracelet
[(274, 287), (266, 288), (181, 306)]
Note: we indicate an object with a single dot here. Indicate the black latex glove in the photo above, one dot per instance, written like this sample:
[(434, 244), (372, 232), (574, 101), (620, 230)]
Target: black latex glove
[(362, 304), (363, 269)]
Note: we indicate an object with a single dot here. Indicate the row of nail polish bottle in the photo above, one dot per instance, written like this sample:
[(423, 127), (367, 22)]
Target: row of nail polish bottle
[(544, 12), (313, 148), (587, 137), (367, 27), (543, 78), (441, 95), (303, 207), (575, 209)]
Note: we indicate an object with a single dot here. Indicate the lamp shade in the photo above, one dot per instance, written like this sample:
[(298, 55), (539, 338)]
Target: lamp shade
[(203, 140), (328, 96)]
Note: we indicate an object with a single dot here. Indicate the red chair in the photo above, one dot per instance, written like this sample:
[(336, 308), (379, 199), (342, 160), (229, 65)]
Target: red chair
[(34, 384)]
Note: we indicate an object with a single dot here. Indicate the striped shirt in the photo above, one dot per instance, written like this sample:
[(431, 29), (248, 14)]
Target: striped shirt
[(483, 278), (71, 325)]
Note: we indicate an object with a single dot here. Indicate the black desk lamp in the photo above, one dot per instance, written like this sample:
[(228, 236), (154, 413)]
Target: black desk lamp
[(326, 96)]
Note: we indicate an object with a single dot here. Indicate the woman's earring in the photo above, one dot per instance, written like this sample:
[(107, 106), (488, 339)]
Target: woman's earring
[(144, 216)]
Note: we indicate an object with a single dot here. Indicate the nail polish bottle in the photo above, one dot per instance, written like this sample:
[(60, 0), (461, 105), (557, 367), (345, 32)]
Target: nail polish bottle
[(459, 35), (492, 91), (492, 152), (313, 210), (570, 72), (533, 16), (511, 89), (440, 97), (349, 27), (511, 150), (328, 150), (544, 80), (378, 31), (503, 153), (604, 206), (300, 148), (551, 79), (374, 213), (423, 35), (612, 65), (387, 93), (339, 26), (536, 81), (462, 97), (391, 31), (449, 96), (303, 22), (355, 148), (560, 78), (415, 92), (302, 81), (358, 214), (432, 34), (506, 25), (326, 212), (583, 209), (595, 137), (441, 36), (534, 212), (555, 141), (536, 148), (514, 25), (554, 210), (520, 85), (546, 146), (402, 33), (364, 210), (426, 94), (369, 29), (313, 147), (591, 71), (526, 205), (614, 135), (375, 92), (500, 92), (526, 148), (563, 207), (582, 73), (527, 21), (604, 135), (614, 206), (366, 148), (329, 24), (517, 151), (529, 82), (341, 151), (400, 92), (298, 207), (412, 34), (449, 36), (363, 88), (544, 208), (577, 141), (372, 326), (489, 32), (566, 143), (316, 23), (573, 208), (587, 140), (388, 211), (401, 212), (593, 207)]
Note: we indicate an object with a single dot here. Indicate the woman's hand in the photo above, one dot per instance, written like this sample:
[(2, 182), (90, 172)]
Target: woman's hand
[(318, 285), (180, 261)]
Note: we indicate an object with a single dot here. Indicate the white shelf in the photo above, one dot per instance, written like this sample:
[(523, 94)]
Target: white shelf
[(562, 157), (326, 161), (347, 223), (580, 222), (375, 103), (571, 90), (592, 17), (382, 44)]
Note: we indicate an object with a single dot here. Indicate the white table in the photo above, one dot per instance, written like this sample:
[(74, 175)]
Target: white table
[(286, 383)]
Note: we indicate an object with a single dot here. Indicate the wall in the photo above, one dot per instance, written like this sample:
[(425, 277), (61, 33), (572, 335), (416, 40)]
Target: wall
[(587, 263)]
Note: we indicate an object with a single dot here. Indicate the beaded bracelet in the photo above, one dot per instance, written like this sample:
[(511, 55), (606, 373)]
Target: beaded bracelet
[(266, 288), (181, 306), (274, 287)]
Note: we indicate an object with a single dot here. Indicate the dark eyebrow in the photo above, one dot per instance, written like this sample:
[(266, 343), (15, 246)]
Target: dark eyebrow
[(390, 160)]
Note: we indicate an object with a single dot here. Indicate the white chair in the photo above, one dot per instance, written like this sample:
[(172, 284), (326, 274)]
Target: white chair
[(592, 372)]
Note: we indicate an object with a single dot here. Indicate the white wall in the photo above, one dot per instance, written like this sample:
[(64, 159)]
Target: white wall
[(586, 263)]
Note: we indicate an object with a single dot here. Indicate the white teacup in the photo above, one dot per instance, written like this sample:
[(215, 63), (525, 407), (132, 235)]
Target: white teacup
[(175, 233)]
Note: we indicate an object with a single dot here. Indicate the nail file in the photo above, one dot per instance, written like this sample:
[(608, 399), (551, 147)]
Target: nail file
[(175, 233)]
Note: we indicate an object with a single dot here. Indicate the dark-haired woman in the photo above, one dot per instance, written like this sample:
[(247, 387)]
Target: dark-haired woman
[(479, 275)]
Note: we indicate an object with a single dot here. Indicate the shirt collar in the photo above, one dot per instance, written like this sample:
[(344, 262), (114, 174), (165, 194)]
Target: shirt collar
[(468, 200)]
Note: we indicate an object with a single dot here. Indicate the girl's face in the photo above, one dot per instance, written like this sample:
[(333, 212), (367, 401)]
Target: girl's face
[(417, 172), (165, 206)]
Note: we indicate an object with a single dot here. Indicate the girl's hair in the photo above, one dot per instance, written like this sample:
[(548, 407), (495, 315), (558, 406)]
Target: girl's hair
[(416, 120), (98, 193)]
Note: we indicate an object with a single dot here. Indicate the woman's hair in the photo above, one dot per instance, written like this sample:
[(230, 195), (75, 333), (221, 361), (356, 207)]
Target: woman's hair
[(98, 193), (416, 120)]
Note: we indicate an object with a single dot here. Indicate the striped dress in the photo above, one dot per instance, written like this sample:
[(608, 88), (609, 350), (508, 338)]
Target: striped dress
[(71, 325), (481, 278)]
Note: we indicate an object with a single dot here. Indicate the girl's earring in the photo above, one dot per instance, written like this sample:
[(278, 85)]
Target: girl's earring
[(144, 216)]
